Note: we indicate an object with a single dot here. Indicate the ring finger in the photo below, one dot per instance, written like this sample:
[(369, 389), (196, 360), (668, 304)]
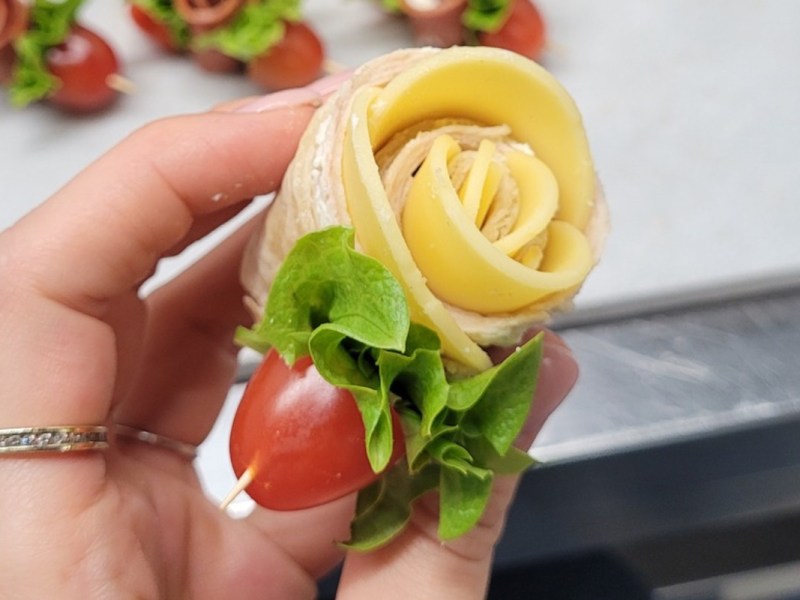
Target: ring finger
[(189, 358)]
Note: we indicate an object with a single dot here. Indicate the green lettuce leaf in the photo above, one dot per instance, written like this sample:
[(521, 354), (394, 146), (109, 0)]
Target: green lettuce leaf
[(325, 284), (163, 12), (392, 6), (485, 15), (503, 396), (349, 313), (255, 28), (384, 508), (462, 499), (49, 24)]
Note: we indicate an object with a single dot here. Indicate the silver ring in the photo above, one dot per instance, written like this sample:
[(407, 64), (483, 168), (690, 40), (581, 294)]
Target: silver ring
[(62, 438), (154, 439)]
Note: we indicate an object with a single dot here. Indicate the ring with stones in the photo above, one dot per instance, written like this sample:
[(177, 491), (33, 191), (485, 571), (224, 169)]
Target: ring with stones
[(62, 438)]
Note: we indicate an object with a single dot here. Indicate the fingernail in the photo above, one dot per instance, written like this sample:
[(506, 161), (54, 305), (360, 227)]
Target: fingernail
[(305, 96), (325, 86)]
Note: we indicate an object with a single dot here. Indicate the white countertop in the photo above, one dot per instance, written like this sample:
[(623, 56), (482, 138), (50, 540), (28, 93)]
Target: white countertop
[(692, 110)]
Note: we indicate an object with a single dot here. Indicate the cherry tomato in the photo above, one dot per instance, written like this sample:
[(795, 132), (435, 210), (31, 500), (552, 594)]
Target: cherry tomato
[(157, 32), (523, 31), (83, 63), (302, 436), (294, 61), (215, 61), (7, 60)]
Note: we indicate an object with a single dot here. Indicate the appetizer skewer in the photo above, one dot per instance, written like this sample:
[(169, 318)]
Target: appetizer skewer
[(515, 25), (47, 55), (267, 39), (423, 219)]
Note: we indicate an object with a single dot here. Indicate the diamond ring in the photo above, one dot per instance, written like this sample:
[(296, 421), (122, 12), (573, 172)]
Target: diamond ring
[(63, 438)]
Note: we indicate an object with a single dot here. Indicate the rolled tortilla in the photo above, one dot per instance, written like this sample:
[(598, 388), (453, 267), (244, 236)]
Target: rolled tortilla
[(466, 172)]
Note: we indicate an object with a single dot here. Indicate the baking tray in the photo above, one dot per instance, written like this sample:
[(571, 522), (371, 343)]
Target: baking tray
[(677, 457)]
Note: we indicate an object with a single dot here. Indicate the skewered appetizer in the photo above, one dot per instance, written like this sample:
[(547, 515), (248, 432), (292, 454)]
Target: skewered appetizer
[(266, 38), (46, 54), (511, 24), (441, 202)]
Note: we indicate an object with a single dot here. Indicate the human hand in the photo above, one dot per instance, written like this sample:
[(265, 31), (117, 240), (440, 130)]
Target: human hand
[(80, 346)]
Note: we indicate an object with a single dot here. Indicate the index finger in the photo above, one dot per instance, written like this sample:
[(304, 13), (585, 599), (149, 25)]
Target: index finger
[(95, 241), (103, 232)]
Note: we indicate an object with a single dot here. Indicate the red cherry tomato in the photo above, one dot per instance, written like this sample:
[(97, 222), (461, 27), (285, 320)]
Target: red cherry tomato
[(523, 31), (294, 61), (303, 437), (215, 61), (7, 60), (157, 32), (83, 63)]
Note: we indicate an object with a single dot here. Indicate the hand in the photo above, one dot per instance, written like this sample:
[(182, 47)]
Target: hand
[(80, 346)]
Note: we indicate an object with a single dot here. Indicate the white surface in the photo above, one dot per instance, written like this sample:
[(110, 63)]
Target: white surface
[(692, 109)]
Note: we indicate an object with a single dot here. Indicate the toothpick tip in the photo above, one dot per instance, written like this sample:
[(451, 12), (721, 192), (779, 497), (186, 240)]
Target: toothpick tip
[(121, 84), (331, 66), (241, 485)]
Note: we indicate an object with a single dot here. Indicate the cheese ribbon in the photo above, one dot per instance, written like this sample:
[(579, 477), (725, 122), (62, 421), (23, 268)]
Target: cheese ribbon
[(462, 266), (440, 254), (378, 233)]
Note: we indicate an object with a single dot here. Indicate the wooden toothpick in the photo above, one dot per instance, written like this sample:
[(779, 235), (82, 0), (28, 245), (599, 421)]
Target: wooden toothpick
[(241, 485), (121, 84)]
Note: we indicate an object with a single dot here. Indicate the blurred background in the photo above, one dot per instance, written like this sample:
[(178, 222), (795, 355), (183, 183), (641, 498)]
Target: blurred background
[(673, 471)]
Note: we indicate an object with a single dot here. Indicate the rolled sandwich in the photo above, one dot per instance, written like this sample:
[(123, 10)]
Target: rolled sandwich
[(467, 173), (440, 202)]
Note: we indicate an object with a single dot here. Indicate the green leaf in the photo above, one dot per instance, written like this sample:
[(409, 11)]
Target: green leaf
[(49, 24), (51, 20), (255, 28), (386, 516), (462, 500), (377, 417), (485, 15), (163, 12), (324, 280), (420, 374), (250, 338), (415, 443), (345, 370), (334, 303), (512, 462), (465, 393), (392, 6), (349, 313), (455, 456), (505, 403), (384, 508)]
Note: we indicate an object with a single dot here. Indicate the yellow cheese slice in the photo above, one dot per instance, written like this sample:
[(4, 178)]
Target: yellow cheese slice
[(481, 184), (378, 234), (538, 201), (492, 86), (464, 268), (441, 254)]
